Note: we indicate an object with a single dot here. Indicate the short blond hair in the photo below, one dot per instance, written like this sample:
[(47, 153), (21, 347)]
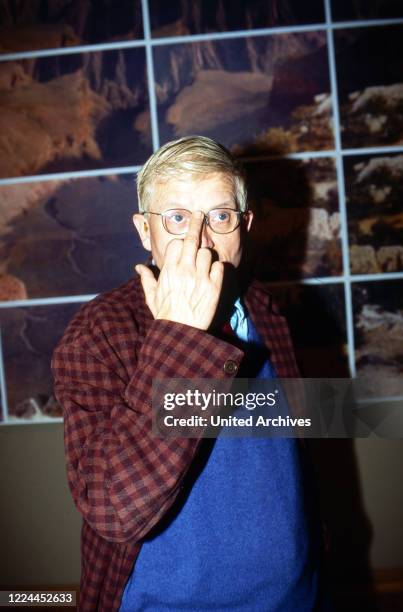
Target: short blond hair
[(198, 156)]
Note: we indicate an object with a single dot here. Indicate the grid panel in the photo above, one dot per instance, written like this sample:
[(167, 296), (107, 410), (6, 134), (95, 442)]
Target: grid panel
[(346, 279)]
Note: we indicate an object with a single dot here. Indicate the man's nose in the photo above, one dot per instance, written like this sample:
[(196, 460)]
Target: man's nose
[(205, 237)]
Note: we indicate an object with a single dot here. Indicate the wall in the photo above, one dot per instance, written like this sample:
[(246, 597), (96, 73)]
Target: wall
[(39, 525), (379, 463)]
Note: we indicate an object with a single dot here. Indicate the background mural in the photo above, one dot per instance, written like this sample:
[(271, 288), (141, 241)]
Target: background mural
[(308, 95)]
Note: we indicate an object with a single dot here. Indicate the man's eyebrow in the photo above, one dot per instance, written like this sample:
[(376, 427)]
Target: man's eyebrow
[(174, 205), (224, 204)]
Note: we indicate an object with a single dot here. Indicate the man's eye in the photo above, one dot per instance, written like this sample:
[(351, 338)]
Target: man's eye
[(221, 216), (177, 218)]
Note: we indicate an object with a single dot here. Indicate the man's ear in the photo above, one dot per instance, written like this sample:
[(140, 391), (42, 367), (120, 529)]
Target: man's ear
[(142, 226), (248, 218)]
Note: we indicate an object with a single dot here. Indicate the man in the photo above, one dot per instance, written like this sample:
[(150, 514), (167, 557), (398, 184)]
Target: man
[(179, 523)]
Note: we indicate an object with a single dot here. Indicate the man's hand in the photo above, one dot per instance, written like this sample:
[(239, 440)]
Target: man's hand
[(189, 285)]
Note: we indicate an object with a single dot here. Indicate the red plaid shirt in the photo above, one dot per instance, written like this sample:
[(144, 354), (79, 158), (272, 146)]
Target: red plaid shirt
[(122, 478)]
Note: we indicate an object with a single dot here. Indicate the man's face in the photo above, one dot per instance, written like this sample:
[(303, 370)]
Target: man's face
[(214, 191)]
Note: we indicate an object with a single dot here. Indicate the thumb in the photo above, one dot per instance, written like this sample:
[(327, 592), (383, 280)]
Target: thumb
[(148, 282)]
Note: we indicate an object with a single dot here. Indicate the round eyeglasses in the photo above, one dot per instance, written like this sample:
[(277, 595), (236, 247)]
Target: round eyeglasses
[(221, 220)]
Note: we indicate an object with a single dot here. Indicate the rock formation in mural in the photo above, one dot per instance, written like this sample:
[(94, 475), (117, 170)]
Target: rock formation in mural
[(377, 111), (29, 336), (33, 131), (72, 112), (269, 94), (379, 334), (180, 17), (374, 189), (50, 24), (370, 86), (67, 237)]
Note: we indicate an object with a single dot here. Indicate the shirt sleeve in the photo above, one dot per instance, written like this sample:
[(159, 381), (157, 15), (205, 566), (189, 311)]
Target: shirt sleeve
[(123, 478)]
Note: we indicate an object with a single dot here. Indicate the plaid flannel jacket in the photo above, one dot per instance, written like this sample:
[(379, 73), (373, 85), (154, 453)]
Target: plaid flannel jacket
[(122, 479)]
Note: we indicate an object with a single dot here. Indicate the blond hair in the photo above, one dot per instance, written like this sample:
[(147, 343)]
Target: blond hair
[(192, 155)]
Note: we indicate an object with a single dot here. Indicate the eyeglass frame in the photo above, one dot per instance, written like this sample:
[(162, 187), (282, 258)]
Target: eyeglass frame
[(239, 213)]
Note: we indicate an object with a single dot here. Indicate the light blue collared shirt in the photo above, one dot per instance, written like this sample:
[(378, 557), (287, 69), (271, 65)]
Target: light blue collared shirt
[(239, 321)]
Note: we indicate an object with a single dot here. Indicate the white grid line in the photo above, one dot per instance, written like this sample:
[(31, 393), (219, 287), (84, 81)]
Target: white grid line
[(358, 278), (152, 101), (372, 150), (60, 176), (3, 387), (53, 52), (315, 281), (342, 195), (192, 38), (301, 155), (77, 174), (233, 34), (42, 421), (326, 280), (379, 400), (48, 301)]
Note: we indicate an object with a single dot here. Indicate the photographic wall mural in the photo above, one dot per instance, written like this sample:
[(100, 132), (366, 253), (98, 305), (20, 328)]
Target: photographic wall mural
[(308, 95)]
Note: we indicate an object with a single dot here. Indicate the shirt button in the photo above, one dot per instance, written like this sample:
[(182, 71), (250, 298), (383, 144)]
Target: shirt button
[(230, 366)]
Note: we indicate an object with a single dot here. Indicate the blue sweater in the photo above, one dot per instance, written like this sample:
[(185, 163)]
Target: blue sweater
[(238, 538)]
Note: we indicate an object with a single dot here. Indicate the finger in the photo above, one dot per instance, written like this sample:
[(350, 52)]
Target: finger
[(203, 262), (173, 251), (148, 282), (217, 273), (191, 241)]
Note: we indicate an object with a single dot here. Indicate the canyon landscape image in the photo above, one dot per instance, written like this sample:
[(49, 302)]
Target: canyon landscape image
[(310, 100)]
